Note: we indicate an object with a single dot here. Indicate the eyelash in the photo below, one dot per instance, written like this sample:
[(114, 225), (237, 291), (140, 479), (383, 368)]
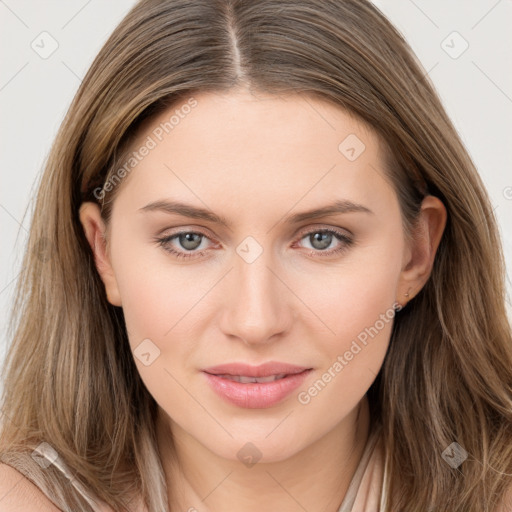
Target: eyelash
[(346, 243)]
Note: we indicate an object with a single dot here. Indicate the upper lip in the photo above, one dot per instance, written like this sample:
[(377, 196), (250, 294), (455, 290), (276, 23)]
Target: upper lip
[(263, 370)]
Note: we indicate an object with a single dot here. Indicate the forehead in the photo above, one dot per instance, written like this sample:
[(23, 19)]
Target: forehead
[(246, 148)]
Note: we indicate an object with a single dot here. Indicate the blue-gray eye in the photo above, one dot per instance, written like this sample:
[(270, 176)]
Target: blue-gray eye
[(190, 241), (320, 240)]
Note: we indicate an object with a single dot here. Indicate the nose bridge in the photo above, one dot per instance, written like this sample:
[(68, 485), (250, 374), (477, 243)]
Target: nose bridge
[(255, 309)]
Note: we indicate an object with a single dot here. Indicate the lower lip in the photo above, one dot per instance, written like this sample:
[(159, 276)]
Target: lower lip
[(256, 395)]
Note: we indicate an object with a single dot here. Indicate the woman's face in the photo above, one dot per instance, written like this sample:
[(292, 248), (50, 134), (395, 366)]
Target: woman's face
[(272, 282)]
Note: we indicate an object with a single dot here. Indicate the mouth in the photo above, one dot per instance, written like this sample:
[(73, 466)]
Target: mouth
[(256, 392)]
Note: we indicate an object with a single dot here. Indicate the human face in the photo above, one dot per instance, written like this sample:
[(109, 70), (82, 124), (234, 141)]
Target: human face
[(262, 287)]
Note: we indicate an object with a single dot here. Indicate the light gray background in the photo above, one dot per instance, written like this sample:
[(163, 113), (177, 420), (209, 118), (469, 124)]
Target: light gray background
[(476, 88)]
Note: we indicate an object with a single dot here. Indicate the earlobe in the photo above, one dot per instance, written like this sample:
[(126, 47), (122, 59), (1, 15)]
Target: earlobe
[(422, 249), (94, 229)]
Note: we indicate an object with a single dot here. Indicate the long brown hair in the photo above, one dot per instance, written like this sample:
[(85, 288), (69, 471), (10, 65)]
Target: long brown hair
[(70, 377)]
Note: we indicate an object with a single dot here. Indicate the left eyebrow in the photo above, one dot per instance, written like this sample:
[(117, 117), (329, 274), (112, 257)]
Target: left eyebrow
[(188, 210), (339, 206)]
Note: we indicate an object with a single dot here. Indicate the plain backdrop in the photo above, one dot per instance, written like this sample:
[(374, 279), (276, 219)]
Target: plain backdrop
[(464, 45)]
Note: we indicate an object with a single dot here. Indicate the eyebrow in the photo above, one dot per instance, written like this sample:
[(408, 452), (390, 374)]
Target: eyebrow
[(187, 210)]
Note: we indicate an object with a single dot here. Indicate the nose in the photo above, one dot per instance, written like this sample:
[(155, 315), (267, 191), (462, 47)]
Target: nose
[(257, 308)]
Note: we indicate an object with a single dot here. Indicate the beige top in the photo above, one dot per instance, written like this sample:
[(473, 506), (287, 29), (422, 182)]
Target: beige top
[(366, 490)]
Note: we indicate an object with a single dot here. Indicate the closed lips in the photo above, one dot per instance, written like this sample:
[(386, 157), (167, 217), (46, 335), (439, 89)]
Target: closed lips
[(255, 387)]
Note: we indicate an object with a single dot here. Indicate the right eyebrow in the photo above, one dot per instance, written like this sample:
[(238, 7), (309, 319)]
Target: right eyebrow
[(186, 210)]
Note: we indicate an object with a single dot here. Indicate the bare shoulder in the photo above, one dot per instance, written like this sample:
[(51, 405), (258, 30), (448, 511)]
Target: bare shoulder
[(17, 492)]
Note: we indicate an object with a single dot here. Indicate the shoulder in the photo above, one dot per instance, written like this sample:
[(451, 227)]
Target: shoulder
[(17, 492)]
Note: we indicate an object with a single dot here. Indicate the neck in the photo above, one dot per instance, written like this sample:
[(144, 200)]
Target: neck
[(316, 478)]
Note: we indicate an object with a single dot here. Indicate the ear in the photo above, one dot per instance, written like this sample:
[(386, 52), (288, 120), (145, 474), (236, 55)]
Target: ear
[(421, 250), (95, 232)]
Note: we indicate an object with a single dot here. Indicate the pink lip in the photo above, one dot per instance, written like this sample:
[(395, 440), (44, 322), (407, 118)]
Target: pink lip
[(257, 395)]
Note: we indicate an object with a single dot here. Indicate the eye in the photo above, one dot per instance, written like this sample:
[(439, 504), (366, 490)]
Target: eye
[(187, 241), (322, 239)]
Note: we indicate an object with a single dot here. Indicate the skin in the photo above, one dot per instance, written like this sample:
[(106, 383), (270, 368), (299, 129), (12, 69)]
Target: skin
[(232, 154)]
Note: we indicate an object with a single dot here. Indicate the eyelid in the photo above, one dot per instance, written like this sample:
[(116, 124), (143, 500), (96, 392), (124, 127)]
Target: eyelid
[(321, 227), (188, 228)]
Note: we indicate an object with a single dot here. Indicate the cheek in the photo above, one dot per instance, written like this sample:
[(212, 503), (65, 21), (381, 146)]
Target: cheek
[(154, 302), (156, 293), (355, 303), (157, 302), (354, 294)]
